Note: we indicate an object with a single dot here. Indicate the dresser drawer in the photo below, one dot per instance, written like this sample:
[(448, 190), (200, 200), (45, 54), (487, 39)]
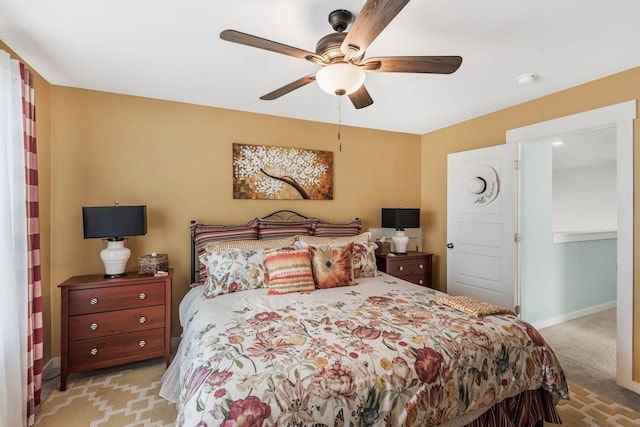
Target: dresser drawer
[(414, 267), (401, 267), (418, 279), (115, 322), (92, 351), (94, 300)]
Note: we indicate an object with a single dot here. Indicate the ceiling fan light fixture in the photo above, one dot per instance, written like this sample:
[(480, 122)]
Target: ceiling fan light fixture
[(340, 78)]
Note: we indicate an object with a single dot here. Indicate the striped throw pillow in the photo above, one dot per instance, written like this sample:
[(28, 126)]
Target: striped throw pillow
[(205, 233), (251, 244), (326, 229), (333, 241), (289, 270), (275, 229)]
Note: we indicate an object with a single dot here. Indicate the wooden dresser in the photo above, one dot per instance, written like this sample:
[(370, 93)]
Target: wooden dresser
[(414, 267), (108, 322)]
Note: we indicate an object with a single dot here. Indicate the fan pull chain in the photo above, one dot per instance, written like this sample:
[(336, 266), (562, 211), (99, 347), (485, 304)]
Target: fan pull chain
[(339, 122)]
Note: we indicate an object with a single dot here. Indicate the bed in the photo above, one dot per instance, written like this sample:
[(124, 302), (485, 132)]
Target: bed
[(364, 349)]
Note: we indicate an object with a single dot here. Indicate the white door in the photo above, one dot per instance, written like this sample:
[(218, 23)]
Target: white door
[(482, 224)]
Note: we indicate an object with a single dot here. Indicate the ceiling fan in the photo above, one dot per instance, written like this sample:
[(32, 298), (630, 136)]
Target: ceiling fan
[(341, 53)]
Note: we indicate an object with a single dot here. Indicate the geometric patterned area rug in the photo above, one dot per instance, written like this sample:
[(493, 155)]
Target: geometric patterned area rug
[(586, 408), (110, 397), (128, 396)]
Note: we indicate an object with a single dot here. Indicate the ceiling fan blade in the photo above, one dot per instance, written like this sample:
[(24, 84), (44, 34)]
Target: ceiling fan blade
[(361, 98), (414, 64), (373, 18), (260, 43), (297, 84)]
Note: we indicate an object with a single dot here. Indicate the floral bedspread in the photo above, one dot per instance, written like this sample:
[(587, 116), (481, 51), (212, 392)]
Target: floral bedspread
[(381, 353)]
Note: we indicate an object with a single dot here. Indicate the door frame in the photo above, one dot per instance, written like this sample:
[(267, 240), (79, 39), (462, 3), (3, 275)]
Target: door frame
[(620, 115)]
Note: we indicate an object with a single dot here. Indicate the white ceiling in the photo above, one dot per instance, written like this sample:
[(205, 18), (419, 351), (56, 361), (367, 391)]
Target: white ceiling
[(595, 147), (171, 50)]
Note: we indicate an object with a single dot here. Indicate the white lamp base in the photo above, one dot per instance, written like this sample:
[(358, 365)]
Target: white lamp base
[(400, 242), (114, 258)]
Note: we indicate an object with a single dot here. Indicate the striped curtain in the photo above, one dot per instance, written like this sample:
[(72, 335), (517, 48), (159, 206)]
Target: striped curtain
[(34, 303), (13, 249)]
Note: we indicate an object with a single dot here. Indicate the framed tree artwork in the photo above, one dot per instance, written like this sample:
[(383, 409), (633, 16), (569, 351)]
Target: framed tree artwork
[(284, 173)]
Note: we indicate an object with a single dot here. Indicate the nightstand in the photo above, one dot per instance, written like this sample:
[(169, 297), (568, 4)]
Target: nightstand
[(414, 267), (108, 322)]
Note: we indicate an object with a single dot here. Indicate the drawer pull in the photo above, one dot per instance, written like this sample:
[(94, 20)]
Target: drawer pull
[(93, 301), (401, 268), (142, 295), (142, 343), (420, 282), (94, 326), (421, 267), (142, 319), (93, 351)]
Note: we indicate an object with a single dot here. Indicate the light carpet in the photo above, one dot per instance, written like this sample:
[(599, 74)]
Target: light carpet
[(586, 348), (128, 396)]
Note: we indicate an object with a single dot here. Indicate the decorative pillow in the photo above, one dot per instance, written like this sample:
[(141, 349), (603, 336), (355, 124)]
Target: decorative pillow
[(251, 244), (340, 240), (275, 229), (363, 257), (364, 260), (206, 233), (289, 270), (332, 265), (472, 306), (232, 270), (327, 229)]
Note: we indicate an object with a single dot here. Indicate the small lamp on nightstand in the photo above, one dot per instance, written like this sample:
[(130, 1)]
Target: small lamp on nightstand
[(400, 218), (114, 223)]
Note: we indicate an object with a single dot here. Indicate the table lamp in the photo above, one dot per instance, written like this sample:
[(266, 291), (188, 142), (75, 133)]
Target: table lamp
[(114, 223), (400, 218)]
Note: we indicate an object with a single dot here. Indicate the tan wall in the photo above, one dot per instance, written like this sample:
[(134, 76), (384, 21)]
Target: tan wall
[(490, 130), (176, 159), (43, 136)]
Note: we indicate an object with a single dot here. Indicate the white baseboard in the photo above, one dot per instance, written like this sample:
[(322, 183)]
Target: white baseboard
[(51, 369), (541, 324)]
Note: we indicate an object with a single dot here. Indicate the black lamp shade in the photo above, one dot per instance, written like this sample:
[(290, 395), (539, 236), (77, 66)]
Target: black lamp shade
[(400, 218), (114, 221)]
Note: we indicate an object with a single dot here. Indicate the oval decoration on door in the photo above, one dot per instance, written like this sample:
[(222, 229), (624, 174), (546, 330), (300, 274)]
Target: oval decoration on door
[(483, 185)]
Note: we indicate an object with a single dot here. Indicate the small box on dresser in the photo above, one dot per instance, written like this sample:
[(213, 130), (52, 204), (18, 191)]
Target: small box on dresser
[(108, 322), (414, 267), (153, 263)]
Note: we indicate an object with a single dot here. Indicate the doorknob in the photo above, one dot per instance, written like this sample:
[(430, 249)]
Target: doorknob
[(449, 245)]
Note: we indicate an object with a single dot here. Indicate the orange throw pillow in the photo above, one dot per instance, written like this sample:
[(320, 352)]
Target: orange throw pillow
[(289, 270), (332, 265)]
